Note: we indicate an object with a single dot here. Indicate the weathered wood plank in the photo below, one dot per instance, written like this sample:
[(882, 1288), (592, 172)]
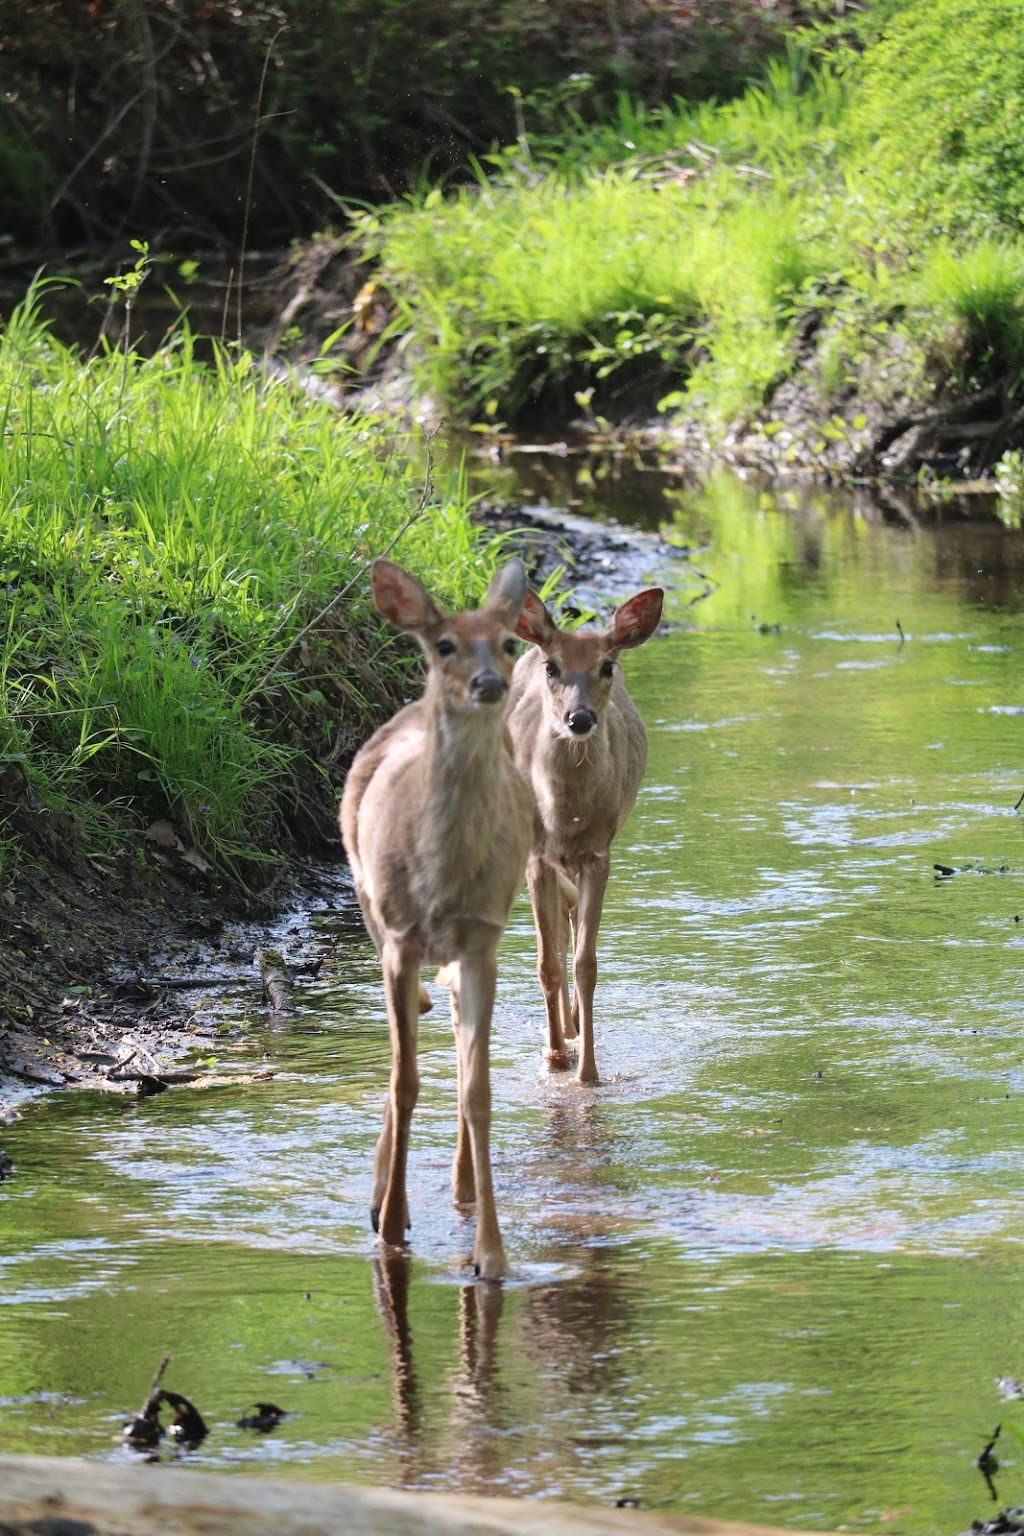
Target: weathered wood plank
[(44, 1496)]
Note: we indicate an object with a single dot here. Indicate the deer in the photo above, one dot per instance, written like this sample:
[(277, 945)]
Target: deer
[(436, 822), (580, 743)]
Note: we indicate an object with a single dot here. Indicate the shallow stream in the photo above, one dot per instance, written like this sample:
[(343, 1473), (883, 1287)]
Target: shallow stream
[(771, 1268)]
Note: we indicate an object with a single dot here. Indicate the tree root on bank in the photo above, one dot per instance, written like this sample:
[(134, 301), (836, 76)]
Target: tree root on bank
[(977, 428)]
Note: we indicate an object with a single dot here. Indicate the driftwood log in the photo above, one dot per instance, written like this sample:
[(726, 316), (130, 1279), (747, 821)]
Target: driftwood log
[(43, 1496)]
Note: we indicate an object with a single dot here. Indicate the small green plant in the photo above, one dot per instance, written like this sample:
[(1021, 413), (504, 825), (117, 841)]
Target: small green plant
[(127, 284), (1009, 476), (977, 294)]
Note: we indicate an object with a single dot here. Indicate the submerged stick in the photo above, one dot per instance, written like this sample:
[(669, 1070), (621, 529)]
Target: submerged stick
[(145, 1430)]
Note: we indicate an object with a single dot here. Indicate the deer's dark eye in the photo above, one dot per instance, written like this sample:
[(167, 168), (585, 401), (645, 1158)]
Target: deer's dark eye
[(607, 668), (446, 648), (551, 668), (509, 646)]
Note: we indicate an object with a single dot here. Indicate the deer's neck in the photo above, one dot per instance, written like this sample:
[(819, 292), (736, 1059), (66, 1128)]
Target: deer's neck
[(465, 762)]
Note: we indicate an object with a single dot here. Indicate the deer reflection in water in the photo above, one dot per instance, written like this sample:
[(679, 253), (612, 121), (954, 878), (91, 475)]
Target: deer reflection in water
[(470, 1426), (467, 1444)]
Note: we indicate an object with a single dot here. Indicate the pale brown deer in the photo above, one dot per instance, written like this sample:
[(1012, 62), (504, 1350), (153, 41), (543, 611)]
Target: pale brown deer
[(436, 821), (581, 744)]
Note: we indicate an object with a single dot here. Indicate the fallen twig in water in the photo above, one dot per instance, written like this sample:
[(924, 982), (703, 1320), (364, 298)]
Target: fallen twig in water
[(145, 1431), (142, 988)]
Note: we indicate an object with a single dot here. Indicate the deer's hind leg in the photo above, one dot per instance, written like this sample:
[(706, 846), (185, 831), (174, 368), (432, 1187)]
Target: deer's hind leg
[(550, 917)]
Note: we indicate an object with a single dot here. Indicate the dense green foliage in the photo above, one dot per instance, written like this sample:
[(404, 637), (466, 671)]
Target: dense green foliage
[(935, 117), (692, 249), (659, 250), (168, 528), (599, 277)]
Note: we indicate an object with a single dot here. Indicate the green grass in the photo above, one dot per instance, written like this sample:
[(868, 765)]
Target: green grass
[(976, 295), (667, 250), (168, 527), (599, 276), (679, 254)]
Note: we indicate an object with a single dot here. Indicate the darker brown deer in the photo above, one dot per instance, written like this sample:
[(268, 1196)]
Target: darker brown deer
[(436, 821), (581, 744)]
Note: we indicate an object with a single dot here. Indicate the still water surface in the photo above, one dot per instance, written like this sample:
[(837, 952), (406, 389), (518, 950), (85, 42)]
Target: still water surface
[(771, 1267)]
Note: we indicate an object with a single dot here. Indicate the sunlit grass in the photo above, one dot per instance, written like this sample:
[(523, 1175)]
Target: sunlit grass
[(979, 291), (167, 528), (799, 105), (513, 290), (681, 256), (672, 244)]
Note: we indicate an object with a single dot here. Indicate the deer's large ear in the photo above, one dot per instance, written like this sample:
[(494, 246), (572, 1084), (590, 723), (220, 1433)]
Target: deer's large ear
[(534, 621), (507, 589), (403, 600), (636, 620)]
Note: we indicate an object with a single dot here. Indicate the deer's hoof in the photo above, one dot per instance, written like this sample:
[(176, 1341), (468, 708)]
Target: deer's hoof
[(387, 1228), (492, 1267), (557, 1061)]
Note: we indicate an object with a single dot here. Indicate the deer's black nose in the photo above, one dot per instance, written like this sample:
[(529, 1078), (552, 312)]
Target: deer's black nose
[(581, 721), (488, 688)]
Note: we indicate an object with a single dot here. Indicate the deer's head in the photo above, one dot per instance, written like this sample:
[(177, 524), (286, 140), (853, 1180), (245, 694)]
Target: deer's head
[(580, 665), (469, 655)]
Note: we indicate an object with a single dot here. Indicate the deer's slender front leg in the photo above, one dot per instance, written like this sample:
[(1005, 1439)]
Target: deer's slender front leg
[(381, 1163), (549, 917), (401, 989), (593, 878), (463, 1181), (477, 980)]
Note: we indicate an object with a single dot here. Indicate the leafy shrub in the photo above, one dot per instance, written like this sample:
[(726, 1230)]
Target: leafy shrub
[(935, 125)]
